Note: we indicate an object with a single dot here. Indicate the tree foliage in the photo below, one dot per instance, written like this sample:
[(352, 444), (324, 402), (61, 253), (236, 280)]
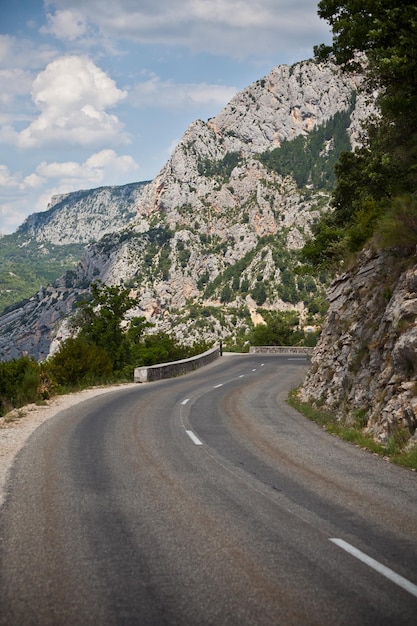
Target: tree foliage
[(101, 321), (109, 347), (378, 38), (79, 362), (311, 159), (221, 168), (280, 329), (19, 383)]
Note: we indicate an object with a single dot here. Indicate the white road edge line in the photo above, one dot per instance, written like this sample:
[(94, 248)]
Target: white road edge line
[(385, 571), (193, 438)]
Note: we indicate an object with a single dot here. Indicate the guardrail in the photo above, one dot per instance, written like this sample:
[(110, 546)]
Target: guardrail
[(281, 350), (175, 368)]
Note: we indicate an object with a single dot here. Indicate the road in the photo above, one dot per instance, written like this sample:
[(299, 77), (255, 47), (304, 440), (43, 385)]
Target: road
[(205, 499)]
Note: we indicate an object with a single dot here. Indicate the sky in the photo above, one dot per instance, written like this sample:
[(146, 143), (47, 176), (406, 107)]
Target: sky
[(94, 92)]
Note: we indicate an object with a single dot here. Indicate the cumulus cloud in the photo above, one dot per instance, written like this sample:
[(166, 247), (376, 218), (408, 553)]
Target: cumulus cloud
[(32, 181), (14, 82), (10, 182), (102, 167), (14, 191), (72, 94), (236, 27), (168, 94), (66, 24)]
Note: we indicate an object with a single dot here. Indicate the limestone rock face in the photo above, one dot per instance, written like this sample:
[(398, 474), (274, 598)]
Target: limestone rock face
[(288, 102), (84, 216), (216, 228), (365, 364)]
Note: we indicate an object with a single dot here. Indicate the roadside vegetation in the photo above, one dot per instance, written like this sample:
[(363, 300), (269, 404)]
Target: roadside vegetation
[(394, 450), (374, 199), (103, 350), (374, 202)]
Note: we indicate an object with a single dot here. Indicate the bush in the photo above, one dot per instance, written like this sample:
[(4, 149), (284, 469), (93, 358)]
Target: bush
[(19, 383), (280, 330), (398, 227), (79, 363)]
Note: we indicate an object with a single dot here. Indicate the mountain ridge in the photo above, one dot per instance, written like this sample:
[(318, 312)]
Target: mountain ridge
[(101, 210), (52, 241), (216, 232), (212, 250)]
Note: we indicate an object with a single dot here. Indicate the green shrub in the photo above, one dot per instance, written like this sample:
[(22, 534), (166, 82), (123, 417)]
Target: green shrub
[(78, 363), (280, 329), (398, 226), (19, 383)]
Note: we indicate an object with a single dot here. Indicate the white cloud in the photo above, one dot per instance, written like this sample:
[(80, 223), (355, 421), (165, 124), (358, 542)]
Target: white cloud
[(10, 182), (19, 52), (233, 27), (32, 181), (14, 82), (103, 167), (7, 179), (66, 24), (167, 94), (72, 94), (10, 217)]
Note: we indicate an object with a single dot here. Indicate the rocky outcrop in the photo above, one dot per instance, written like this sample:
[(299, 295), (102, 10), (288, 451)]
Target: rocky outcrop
[(84, 216), (35, 325), (216, 233), (364, 368), (290, 101)]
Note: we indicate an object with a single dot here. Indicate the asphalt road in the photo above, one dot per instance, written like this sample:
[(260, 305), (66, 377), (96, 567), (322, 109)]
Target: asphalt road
[(205, 500)]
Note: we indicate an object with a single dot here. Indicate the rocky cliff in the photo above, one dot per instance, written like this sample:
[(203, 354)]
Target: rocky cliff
[(83, 216), (364, 368), (215, 237)]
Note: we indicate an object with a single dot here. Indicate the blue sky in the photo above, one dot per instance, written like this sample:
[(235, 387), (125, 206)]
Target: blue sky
[(94, 92)]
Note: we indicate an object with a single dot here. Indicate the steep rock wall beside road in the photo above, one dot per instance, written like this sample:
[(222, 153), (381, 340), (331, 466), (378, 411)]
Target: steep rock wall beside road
[(365, 364)]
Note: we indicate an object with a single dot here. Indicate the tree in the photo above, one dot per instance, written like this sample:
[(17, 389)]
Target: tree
[(386, 31), (101, 321), (19, 383), (259, 293), (79, 362), (280, 329), (378, 38)]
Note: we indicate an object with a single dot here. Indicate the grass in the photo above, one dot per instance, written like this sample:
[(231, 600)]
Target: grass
[(394, 449)]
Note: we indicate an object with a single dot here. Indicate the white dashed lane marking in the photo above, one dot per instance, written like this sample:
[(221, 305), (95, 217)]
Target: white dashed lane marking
[(378, 567), (194, 438)]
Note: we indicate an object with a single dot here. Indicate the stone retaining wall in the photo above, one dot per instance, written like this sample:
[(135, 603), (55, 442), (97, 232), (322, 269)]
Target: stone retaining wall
[(281, 350), (175, 368)]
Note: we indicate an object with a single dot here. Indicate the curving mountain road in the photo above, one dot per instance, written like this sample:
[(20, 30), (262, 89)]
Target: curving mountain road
[(205, 500)]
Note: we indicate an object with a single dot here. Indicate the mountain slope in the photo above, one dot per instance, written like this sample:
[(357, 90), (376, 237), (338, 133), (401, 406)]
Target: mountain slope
[(81, 217), (49, 243), (364, 368), (216, 233)]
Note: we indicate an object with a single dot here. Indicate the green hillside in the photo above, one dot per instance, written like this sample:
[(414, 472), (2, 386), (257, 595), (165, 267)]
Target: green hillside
[(26, 265)]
